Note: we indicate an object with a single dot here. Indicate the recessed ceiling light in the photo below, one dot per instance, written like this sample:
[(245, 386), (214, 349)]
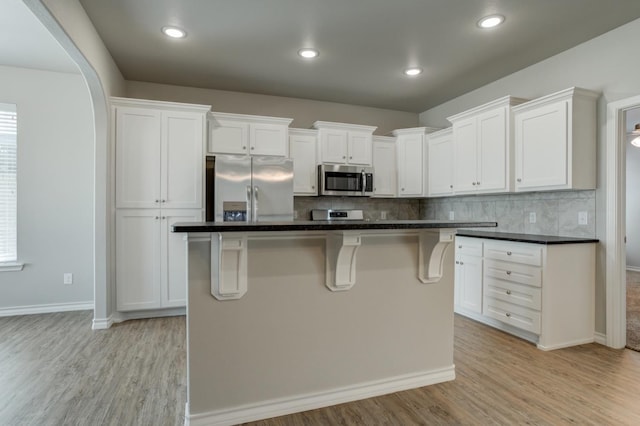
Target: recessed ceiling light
[(411, 72), (491, 21), (308, 53), (174, 32)]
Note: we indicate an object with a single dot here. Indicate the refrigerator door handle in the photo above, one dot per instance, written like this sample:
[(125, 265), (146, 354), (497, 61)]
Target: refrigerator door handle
[(249, 204), (255, 203)]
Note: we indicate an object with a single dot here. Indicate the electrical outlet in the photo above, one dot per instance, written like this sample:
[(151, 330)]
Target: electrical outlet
[(68, 278), (452, 215), (383, 215), (295, 214), (583, 218), (532, 217)]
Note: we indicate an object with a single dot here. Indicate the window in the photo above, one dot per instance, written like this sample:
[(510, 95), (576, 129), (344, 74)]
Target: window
[(8, 185)]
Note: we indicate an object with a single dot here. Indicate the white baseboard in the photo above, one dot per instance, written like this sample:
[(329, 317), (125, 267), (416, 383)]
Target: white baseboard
[(46, 308), (633, 268), (101, 323), (283, 406), (566, 344), (117, 317), (600, 338)]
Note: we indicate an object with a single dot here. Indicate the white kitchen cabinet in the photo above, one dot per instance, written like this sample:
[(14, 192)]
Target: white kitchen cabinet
[(482, 147), (248, 134), (555, 142), (158, 154), (151, 266), (468, 275), (528, 290), (303, 150), (411, 160), (440, 164), (384, 167), (341, 143)]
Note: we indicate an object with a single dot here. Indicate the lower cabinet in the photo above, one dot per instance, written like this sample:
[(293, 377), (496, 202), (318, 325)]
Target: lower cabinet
[(151, 267), (540, 292), (468, 275)]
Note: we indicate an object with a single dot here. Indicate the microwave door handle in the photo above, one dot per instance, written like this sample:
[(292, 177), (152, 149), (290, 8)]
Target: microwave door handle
[(249, 204), (363, 178), (255, 203)]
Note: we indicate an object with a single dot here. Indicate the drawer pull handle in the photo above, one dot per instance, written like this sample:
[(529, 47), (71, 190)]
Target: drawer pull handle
[(508, 315), (509, 253), (508, 272), (508, 291)]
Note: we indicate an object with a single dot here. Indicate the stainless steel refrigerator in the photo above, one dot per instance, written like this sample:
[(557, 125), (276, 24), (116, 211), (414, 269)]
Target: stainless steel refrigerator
[(249, 189)]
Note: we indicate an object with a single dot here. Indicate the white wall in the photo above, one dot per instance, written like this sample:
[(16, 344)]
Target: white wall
[(605, 64), (55, 188)]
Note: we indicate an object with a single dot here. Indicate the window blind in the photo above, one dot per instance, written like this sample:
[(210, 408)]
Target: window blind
[(8, 183)]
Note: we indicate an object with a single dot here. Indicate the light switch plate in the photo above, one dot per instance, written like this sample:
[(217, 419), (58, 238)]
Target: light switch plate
[(452, 215), (68, 278), (583, 218)]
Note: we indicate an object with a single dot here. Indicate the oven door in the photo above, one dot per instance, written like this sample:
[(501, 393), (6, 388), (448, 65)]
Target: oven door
[(352, 181)]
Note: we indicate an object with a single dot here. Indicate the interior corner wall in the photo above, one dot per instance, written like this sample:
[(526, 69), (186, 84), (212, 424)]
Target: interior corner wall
[(55, 189), (303, 111), (603, 64)]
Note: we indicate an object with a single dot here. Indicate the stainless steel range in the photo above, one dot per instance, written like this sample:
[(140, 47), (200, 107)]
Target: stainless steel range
[(336, 214)]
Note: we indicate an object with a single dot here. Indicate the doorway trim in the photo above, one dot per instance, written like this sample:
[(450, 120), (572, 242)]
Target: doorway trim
[(615, 250)]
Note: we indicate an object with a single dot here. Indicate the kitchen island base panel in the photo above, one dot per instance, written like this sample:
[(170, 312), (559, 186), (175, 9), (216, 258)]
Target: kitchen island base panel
[(290, 345)]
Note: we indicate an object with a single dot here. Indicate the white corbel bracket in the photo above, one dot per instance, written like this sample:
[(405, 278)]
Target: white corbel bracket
[(341, 249), (432, 246), (228, 265)]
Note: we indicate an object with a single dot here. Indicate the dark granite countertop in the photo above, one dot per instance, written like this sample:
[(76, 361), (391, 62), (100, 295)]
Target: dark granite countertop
[(334, 225), (525, 238)]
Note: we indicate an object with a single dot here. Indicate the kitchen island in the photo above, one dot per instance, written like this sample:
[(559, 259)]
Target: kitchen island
[(286, 317)]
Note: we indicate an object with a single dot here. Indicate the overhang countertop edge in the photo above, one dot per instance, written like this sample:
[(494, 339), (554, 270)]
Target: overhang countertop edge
[(525, 238)]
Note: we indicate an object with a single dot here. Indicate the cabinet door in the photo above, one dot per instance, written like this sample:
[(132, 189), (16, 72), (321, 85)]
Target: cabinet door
[(228, 137), (410, 165), (173, 265), (268, 139), (302, 149), (541, 147), (470, 283), (137, 259), (384, 169), (137, 157), (465, 142), (492, 151), (182, 160), (333, 146), (440, 165), (359, 148)]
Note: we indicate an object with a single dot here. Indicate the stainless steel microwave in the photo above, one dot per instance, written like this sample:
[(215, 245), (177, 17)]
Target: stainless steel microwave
[(351, 181)]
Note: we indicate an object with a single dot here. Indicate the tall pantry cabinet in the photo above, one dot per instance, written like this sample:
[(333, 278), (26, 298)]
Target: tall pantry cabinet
[(159, 156)]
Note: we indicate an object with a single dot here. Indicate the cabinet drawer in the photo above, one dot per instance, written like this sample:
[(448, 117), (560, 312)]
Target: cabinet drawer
[(470, 246), (513, 272), (527, 254), (517, 294), (508, 313)]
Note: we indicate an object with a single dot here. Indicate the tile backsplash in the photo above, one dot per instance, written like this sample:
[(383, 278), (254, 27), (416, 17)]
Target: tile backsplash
[(394, 208), (556, 213)]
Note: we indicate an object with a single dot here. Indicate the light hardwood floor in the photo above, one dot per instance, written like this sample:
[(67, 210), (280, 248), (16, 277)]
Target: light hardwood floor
[(55, 371)]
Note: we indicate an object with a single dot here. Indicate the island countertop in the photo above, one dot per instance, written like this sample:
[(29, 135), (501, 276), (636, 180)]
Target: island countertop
[(333, 225)]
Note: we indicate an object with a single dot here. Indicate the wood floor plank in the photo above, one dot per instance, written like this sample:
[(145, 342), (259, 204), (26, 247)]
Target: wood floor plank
[(54, 370)]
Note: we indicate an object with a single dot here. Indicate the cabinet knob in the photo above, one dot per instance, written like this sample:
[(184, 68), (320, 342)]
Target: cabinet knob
[(157, 201), (478, 183), (509, 253), (473, 183), (402, 189), (344, 157), (350, 157), (508, 315), (253, 147), (244, 147), (457, 262), (157, 218), (313, 187), (451, 186), (508, 272), (164, 217), (519, 180), (508, 291), (164, 201), (460, 246), (462, 263)]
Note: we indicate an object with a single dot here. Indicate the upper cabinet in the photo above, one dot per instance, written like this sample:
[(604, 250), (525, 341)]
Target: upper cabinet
[(303, 151), (384, 166), (481, 142), (555, 141), (248, 134), (411, 156), (440, 163), (341, 143), (158, 153)]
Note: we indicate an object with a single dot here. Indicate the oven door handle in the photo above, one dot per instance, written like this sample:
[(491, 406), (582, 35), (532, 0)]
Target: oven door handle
[(363, 177)]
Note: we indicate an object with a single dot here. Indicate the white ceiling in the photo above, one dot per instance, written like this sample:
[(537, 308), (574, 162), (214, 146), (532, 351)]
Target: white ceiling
[(251, 45), (26, 43)]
